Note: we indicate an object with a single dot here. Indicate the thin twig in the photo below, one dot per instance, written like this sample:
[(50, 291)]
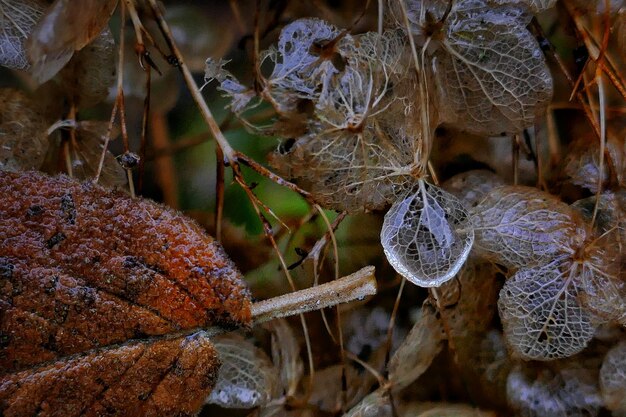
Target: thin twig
[(220, 187), (602, 116), (165, 168), (178, 61), (144, 127), (515, 145)]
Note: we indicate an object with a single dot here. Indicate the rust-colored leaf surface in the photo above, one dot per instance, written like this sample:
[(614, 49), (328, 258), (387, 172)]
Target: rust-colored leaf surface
[(100, 300)]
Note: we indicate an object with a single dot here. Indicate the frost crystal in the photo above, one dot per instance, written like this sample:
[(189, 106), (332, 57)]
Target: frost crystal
[(239, 94)]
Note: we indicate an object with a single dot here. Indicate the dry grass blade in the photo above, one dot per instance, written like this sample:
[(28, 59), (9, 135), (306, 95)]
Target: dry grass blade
[(352, 287)]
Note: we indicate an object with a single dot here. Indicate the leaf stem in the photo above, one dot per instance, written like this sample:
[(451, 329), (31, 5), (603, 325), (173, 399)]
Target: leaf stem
[(349, 288)]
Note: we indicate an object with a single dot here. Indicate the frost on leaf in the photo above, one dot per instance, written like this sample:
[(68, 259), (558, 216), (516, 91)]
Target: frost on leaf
[(417, 351), (247, 378), (92, 286), (541, 312), (17, 19), (522, 227), (426, 236), (571, 391), (23, 139), (164, 377), (613, 379), (491, 73)]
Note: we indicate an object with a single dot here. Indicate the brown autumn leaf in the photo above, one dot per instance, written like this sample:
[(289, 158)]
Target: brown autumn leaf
[(101, 301), (67, 26)]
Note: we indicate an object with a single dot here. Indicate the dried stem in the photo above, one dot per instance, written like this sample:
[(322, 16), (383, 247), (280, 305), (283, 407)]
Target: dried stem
[(515, 145), (165, 168), (602, 116), (349, 288), (220, 187), (229, 152), (144, 127)]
